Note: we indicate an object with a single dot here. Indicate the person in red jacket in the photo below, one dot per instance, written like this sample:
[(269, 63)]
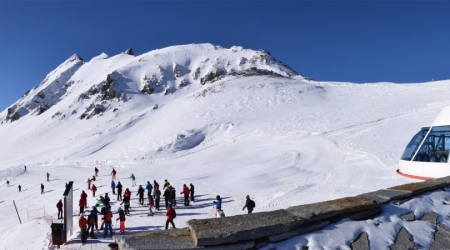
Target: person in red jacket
[(94, 188), (89, 183), (155, 185), (82, 204), (170, 215), (59, 205), (186, 195), (82, 222), (127, 193), (84, 197)]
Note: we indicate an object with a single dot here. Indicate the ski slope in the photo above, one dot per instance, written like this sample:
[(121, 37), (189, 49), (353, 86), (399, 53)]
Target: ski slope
[(283, 140)]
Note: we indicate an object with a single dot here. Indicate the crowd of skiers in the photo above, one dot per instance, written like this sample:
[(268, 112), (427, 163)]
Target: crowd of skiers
[(154, 194)]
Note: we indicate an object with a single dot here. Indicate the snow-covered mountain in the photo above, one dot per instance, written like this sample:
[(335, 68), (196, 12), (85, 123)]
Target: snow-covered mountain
[(118, 89), (234, 122)]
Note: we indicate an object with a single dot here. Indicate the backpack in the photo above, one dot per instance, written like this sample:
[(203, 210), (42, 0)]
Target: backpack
[(252, 203), (174, 214), (221, 214)]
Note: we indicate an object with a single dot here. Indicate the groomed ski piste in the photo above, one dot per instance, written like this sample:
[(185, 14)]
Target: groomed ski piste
[(280, 138)]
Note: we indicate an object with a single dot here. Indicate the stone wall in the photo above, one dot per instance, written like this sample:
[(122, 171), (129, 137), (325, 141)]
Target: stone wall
[(253, 231)]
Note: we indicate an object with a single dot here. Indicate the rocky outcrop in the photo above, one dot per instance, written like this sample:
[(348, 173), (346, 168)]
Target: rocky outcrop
[(129, 52), (147, 89), (107, 91), (177, 71)]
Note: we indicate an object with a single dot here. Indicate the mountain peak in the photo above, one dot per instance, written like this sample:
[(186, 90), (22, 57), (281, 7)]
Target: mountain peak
[(129, 52)]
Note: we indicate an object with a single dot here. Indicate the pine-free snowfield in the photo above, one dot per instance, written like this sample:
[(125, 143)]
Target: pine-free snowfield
[(284, 142)]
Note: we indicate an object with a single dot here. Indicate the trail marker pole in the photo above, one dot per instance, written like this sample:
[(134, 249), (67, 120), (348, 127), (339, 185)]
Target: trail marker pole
[(17, 212)]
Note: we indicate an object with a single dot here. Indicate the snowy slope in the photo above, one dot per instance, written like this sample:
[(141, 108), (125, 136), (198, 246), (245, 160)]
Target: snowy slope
[(231, 121)]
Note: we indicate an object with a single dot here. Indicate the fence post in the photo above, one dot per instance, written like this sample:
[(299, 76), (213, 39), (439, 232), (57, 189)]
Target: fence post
[(17, 212)]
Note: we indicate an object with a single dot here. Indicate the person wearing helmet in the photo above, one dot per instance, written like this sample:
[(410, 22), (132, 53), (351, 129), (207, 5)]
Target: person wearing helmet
[(218, 205)]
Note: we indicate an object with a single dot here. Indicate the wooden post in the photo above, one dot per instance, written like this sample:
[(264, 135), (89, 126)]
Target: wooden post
[(17, 212)]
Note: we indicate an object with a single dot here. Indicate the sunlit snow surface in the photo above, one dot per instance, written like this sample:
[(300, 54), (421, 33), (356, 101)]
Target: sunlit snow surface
[(283, 141)]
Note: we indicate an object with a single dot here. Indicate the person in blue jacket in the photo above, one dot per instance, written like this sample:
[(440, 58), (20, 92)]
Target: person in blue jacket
[(218, 205), (149, 188), (113, 187)]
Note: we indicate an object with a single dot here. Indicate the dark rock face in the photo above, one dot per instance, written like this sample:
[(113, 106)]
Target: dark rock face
[(177, 72), (107, 92), (183, 83), (218, 74), (42, 109), (129, 52), (386, 195), (441, 238), (15, 116), (148, 89), (41, 94), (213, 76)]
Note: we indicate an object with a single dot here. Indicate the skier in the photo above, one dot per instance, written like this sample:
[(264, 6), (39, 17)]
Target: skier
[(113, 173), (93, 178), (119, 191), (122, 219), (107, 199), (82, 204), (127, 193), (96, 171), (167, 196), (249, 204), (133, 180), (151, 203), (96, 213), (155, 185), (157, 195), (91, 222), (82, 223), (94, 188), (84, 197), (192, 192), (171, 214), (20, 188), (89, 183), (59, 205), (218, 205), (149, 188), (173, 194), (42, 188), (126, 202), (48, 176), (25, 168), (186, 194), (7, 183), (108, 218), (141, 192), (113, 187), (100, 202)]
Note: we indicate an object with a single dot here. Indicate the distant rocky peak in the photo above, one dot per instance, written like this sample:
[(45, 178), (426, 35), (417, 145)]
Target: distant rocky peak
[(75, 57), (129, 52)]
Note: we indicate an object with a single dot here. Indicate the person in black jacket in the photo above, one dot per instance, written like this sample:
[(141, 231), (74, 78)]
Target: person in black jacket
[(173, 194), (157, 195), (107, 199), (42, 188), (119, 191), (167, 196), (249, 204), (141, 192), (122, 220), (192, 191)]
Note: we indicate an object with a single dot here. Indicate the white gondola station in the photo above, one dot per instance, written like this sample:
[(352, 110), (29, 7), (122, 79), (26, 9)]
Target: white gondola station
[(426, 156)]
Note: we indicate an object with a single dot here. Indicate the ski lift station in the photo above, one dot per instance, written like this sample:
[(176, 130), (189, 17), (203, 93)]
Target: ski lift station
[(426, 156)]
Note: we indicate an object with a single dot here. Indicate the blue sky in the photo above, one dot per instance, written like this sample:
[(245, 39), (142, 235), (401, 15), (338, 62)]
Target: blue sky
[(365, 41)]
